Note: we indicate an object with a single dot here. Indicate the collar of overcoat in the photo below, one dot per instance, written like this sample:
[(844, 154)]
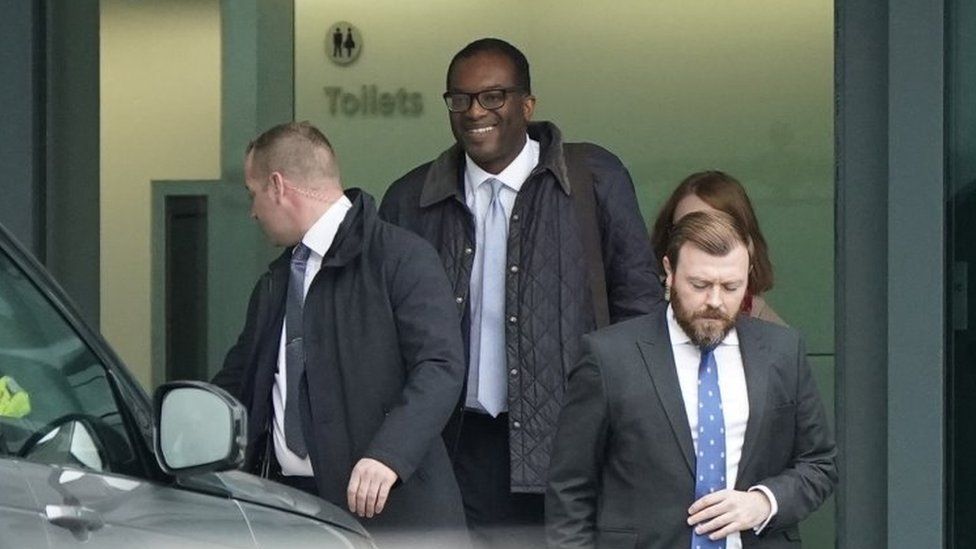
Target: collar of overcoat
[(348, 242), (445, 177), (757, 360)]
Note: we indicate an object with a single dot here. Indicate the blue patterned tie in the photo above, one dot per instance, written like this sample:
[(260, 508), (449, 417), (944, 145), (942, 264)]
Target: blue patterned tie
[(492, 385), (710, 461), (295, 350)]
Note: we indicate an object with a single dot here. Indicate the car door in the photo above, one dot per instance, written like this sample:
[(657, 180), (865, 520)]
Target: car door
[(20, 522), (88, 509)]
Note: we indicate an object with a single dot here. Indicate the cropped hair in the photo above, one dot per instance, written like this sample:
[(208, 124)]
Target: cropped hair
[(295, 150), (724, 193), (501, 47), (715, 233)]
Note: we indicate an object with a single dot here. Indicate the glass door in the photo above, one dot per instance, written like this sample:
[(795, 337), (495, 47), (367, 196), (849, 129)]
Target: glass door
[(961, 271)]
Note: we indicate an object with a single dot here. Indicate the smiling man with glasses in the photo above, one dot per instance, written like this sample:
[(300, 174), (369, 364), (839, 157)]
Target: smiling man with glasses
[(543, 241)]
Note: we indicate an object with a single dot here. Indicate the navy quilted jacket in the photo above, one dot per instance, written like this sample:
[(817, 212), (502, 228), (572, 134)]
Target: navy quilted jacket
[(548, 301)]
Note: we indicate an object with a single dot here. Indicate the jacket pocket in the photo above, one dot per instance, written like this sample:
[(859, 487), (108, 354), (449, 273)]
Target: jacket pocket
[(616, 539)]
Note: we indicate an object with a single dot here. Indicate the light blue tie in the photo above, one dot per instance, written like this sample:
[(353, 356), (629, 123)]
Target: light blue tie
[(710, 461), (492, 384)]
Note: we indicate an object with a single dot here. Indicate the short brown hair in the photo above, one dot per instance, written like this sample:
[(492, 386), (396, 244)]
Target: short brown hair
[(724, 193), (294, 149), (715, 233)]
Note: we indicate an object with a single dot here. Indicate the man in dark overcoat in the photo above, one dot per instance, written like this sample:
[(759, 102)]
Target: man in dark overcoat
[(351, 360)]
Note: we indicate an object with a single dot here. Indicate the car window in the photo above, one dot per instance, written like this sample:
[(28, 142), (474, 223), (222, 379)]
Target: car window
[(57, 405)]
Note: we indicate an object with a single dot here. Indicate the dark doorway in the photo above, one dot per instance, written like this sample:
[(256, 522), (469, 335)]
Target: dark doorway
[(186, 287)]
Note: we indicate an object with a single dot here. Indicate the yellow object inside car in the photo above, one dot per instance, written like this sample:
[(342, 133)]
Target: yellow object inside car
[(14, 401)]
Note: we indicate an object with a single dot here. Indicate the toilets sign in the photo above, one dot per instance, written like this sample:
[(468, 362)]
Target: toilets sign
[(343, 44)]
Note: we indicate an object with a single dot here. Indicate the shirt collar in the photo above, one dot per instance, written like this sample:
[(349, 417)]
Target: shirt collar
[(319, 238), (514, 175), (679, 337)]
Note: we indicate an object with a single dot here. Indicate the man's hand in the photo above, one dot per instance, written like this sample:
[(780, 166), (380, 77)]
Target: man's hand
[(728, 511), (369, 486)]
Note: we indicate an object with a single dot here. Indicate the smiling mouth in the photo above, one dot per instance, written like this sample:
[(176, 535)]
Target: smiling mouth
[(480, 131)]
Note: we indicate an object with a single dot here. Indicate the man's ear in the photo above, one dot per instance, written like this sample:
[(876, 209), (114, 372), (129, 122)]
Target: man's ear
[(668, 272), (528, 107), (277, 183)]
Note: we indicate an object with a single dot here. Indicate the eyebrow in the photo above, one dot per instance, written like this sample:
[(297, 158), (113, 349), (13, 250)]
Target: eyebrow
[(697, 280), (491, 87)]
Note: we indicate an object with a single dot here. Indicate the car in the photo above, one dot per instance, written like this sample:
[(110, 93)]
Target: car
[(87, 459)]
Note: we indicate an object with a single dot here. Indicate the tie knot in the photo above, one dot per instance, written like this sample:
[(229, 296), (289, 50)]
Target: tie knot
[(496, 187), (300, 253)]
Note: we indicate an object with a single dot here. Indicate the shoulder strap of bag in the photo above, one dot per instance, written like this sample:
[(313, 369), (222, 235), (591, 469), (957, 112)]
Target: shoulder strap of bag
[(584, 200)]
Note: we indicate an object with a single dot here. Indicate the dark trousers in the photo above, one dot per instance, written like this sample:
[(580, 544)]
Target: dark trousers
[(497, 518)]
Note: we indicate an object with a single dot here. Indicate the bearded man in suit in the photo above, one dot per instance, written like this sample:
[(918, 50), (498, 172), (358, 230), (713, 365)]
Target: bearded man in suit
[(692, 426)]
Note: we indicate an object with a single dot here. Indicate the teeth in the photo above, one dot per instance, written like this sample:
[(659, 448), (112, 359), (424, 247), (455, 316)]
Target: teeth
[(481, 130)]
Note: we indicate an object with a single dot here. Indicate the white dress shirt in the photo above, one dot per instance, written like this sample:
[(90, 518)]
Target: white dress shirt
[(318, 239), (478, 197), (735, 402)]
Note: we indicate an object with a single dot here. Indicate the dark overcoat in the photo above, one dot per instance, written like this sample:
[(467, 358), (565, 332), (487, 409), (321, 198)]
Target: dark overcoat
[(384, 367)]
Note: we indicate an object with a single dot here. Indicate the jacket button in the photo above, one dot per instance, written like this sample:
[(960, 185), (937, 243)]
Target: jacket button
[(513, 372), (459, 299), (468, 251), (513, 268), (516, 425), (512, 319), (515, 217)]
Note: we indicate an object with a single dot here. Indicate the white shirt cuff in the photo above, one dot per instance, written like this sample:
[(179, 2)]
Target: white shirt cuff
[(773, 507)]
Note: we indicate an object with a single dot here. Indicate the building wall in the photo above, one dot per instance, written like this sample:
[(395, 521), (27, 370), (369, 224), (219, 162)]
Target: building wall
[(160, 119), (670, 86)]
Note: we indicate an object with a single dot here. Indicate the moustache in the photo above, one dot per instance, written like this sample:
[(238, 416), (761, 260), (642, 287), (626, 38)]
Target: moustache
[(711, 314)]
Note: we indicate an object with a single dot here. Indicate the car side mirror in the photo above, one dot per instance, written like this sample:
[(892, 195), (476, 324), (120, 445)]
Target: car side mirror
[(199, 428)]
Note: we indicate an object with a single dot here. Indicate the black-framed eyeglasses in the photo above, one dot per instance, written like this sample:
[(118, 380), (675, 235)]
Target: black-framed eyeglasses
[(488, 99)]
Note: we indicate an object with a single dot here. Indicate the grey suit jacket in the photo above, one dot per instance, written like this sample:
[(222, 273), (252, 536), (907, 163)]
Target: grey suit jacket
[(622, 470)]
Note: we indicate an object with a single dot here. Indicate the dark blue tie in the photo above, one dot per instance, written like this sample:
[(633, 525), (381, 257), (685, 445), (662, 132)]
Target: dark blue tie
[(710, 461), (295, 350)]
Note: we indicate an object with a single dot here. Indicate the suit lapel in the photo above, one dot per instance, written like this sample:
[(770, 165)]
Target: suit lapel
[(655, 348), (756, 362)]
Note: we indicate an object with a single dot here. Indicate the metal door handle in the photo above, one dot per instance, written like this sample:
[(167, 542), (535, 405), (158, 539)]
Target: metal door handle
[(74, 517)]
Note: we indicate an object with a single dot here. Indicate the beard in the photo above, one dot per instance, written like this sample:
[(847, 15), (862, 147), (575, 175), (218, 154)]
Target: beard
[(706, 327)]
